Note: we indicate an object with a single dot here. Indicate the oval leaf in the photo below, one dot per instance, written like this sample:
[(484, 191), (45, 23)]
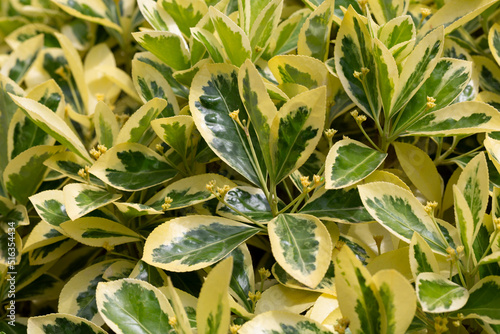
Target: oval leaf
[(302, 246)]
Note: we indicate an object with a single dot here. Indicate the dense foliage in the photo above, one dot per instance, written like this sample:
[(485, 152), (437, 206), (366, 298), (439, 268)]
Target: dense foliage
[(270, 166)]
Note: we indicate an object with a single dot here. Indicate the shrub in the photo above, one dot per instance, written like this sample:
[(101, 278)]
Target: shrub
[(172, 166)]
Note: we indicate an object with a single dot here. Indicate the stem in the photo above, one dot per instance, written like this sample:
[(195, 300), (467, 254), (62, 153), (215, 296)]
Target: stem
[(449, 151), (367, 137)]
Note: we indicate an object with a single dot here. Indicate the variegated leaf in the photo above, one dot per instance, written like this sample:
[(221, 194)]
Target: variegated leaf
[(259, 106), (133, 210), (186, 14), (51, 252), (138, 129), (233, 38), (358, 297), (401, 213), (281, 322), (50, 207), (9, 108), (213, 46), (131, 166), (489, 73), (457, 119), (464, 219), (52, 124), (117, 302), (213, 311), (422, 259), (154, 14), (242, 278), (448, 79), (282, 298), (28, 31), (26, 172), (214, 95), (42, 234), (106, 125), (165, 71), (69, 164), (194, 242), (78, 295), (302, 70), (248, 200), (150, 84), (160, 43), (350, 161), (153, 275), (103, 12), (302, 246), (398, 299), (76, 67), (314, 36), (474, 185), (481, 304), (80, 199), (387, 73), (264, 27), (12, 215), (188, 191), (23, 133), (421, 170), (353, 53), (384, 11), (418, 67), (176, 131), (326, 285), (22, 58), (494, 41), (451, 17), (436, 294), (285, 38), (396, 31), (295, 132), (63, 324), (99, 232), (338, 205)]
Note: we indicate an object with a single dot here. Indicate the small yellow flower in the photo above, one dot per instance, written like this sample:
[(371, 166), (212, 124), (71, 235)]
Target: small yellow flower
[(234, 328), (99, 97), (82, 173), (210, 186), (360, 119), (102, 148), (234, 114), (172, 321), (107, 246), (95, 153), (167, 204), (430, 102), (254, 296), (341, 325), (440, 324), (159, 148), (264, 273), (316, 179), (365, 70), (304, 180), (357, 75), (425, 12), (330, 133), (429, 208), (354, 113), (339, 244)]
